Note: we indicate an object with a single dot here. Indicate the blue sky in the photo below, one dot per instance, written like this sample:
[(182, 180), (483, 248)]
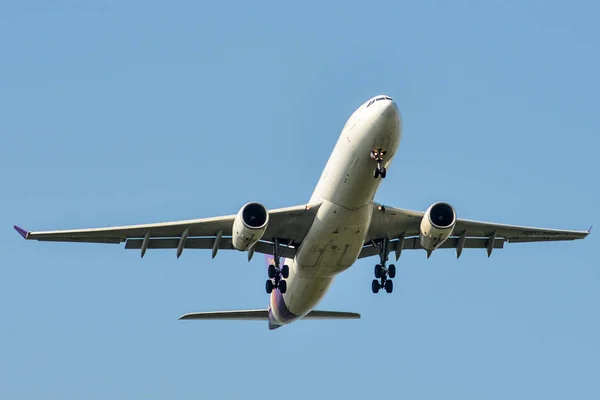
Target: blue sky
[(132, 112)]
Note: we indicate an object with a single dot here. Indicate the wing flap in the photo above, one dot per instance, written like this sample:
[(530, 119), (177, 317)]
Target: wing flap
[(413, 243), (191, 243), (207, 243), (541, 239), (99, 239)]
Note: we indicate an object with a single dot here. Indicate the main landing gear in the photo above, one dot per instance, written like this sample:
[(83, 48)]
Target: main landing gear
[(383, 274), (277, 274), (378, 155)]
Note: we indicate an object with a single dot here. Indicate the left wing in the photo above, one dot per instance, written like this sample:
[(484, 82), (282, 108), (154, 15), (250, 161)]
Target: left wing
[(288, 225), (402, 228)]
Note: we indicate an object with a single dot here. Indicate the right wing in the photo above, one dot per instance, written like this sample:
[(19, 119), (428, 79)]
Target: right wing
[(402, 228), (288, 225)]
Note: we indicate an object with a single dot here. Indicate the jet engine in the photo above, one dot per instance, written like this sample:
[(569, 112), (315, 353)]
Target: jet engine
[(249, 225), (437, 225)]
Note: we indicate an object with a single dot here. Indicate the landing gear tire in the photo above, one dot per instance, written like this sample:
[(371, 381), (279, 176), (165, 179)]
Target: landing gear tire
[(269, 286), (379, 172), (378, 156), (392, 271), (282, 286), (389, 286), (378, 271), (285, 271), (272, 272), (375, 286)]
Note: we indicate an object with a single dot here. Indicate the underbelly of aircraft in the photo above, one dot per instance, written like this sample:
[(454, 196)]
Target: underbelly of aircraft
[(334, 241), (331, 246)]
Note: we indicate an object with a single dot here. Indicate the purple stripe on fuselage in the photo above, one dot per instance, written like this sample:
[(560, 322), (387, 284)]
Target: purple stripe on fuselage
[(279, 314), (269, 259), (273, 324)]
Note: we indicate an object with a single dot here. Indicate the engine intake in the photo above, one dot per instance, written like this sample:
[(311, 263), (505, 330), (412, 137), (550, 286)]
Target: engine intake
[(249, 225), (437, 225)]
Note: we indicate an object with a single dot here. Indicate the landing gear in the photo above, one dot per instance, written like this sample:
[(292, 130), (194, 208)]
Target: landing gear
[(384, 275), (380, 170), (276, 273)]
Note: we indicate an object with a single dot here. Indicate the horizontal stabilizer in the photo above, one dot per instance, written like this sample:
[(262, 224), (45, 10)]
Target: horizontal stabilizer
[(316, 314), (263, 315)]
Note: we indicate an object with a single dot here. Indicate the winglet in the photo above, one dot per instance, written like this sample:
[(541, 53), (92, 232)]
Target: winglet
[(21, 231), (590, 230)]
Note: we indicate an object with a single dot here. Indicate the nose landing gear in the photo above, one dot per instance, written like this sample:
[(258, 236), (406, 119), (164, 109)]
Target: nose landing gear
[(377, 155), (383, 274), (276, 273)]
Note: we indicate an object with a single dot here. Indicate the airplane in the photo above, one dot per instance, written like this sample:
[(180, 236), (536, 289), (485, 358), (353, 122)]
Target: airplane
[(308, 245)]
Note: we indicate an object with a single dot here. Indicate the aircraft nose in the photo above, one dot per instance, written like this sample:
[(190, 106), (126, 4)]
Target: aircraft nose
[(390, 109)]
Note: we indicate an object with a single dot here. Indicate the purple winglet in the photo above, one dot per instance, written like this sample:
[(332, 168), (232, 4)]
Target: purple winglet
[(21, 231)]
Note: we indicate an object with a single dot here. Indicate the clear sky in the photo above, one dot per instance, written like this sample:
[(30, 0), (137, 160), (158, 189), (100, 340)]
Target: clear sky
[(135, 112)]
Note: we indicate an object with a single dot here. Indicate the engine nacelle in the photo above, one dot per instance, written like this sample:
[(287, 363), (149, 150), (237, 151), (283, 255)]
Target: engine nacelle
[(249, 226), (437, 225)]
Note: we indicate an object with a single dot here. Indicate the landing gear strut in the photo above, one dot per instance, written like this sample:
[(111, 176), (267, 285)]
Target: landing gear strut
[(276, 273), (377, 155), (383, 274)]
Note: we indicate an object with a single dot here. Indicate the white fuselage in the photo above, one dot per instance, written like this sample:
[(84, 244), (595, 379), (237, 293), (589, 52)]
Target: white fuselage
[(346, 189)]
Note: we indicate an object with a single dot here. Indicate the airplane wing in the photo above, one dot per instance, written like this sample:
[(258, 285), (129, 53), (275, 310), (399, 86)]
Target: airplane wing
[(288, 225), (402, 228)]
